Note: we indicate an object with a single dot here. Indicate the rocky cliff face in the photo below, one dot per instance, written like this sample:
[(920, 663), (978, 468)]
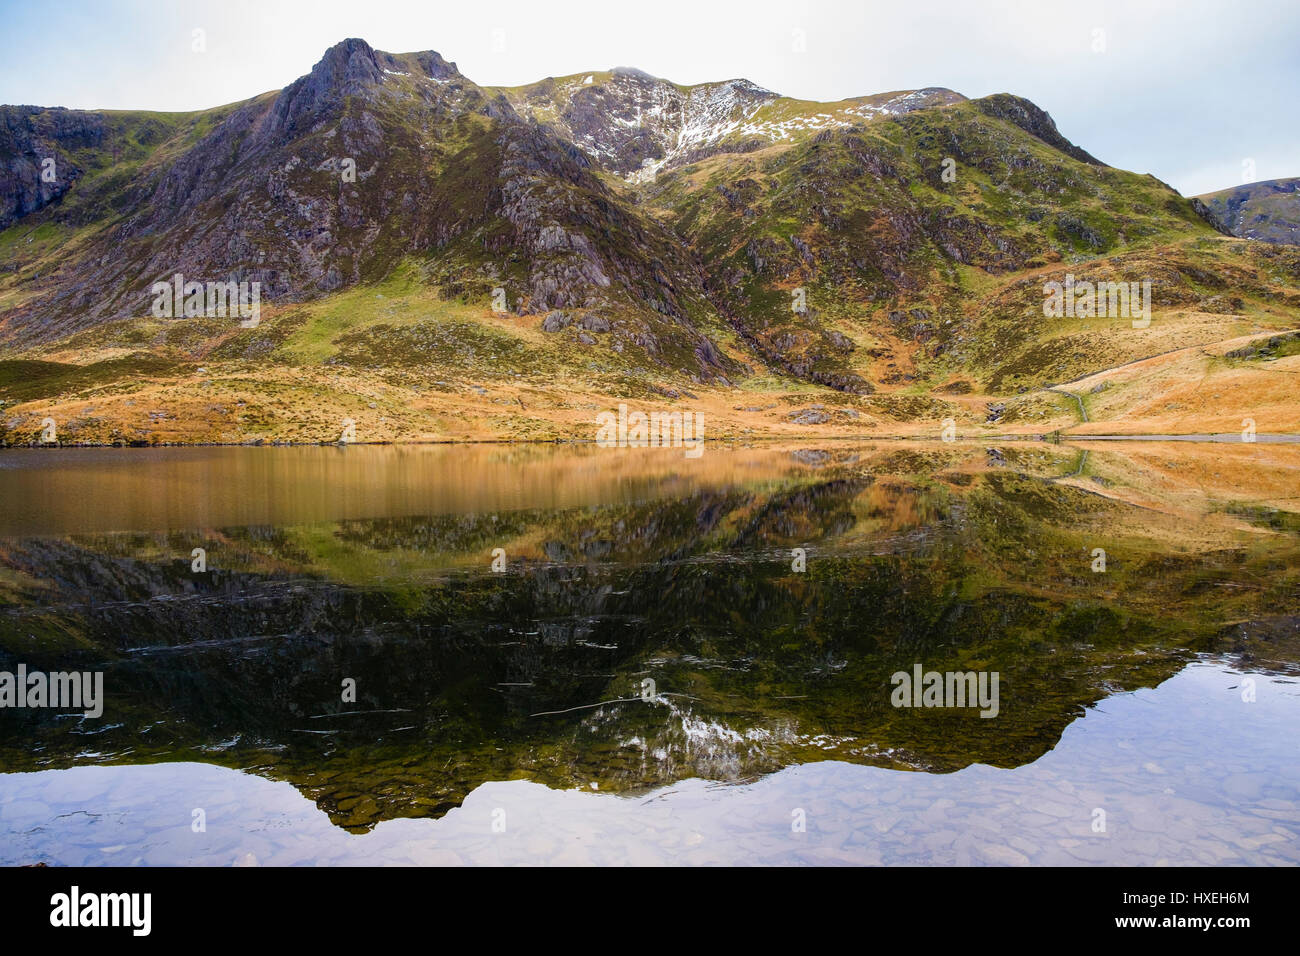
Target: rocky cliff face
[(29, 137)]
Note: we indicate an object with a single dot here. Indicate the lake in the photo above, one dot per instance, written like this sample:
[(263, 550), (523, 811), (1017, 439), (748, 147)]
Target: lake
[(453, 654)]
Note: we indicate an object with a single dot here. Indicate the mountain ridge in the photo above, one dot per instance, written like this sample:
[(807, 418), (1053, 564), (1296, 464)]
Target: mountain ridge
[(410, 229)]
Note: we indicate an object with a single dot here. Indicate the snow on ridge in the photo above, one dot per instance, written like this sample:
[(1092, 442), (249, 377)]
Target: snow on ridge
[(714, 112), (710, 110), (682, 122)]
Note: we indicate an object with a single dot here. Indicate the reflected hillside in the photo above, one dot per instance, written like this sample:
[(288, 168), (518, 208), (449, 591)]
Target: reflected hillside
[(623, 567)]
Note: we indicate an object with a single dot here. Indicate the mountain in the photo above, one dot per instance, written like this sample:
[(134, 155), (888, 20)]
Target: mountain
[(636, 125), (440, 166), (438, 259), (1269, 210)]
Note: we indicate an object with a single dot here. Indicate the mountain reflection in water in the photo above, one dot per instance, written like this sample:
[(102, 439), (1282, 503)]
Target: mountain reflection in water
[(626, 570)]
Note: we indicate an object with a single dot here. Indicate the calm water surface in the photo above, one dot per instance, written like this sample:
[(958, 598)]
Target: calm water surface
[(673, 660)]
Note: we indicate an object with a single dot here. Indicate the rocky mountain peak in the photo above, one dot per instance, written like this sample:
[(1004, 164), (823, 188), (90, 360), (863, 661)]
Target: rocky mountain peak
[(350, 68), (1033, 120)]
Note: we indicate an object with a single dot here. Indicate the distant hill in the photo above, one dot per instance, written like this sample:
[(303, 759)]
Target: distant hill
[(1268, 211)]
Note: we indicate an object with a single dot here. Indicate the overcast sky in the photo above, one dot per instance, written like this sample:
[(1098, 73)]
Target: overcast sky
[(1189, 91)]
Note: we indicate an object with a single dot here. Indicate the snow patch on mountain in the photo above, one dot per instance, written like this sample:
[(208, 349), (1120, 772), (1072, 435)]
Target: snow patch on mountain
[(638, 125)]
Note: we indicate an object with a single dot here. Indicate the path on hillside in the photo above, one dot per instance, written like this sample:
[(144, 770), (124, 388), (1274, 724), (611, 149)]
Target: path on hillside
[(1060, 388)]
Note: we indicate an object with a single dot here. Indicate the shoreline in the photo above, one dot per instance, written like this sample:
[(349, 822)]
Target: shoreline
[(1275, 438)]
